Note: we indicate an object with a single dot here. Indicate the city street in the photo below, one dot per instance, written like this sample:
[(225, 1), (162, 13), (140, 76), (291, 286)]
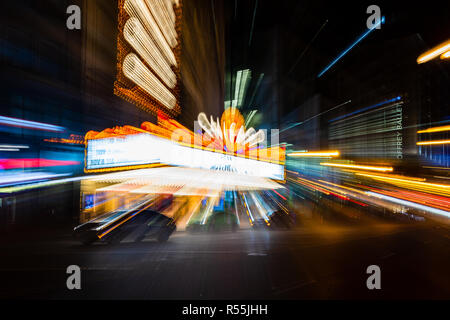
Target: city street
[(318, 262)]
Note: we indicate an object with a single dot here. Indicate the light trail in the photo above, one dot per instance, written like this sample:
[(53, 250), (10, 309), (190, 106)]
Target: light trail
[(435, 52), (360, 167), (435, 129), (434, 142), (365, 34), (26, 124), (411, 204), (333, 153)]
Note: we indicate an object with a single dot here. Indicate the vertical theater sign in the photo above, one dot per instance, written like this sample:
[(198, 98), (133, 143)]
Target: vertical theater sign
[(148, 55)]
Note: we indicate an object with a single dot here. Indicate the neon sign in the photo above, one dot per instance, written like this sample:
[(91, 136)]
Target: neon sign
[(144, 149)]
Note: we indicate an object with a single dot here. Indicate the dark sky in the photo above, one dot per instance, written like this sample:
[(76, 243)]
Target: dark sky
[(346, 21)]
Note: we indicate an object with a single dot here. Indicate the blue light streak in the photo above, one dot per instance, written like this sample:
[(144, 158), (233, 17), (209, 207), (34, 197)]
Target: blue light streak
[(398, 98), (365, 34), (14, 122)]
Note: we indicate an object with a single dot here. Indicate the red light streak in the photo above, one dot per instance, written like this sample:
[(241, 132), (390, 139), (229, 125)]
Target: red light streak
[(34, 163)]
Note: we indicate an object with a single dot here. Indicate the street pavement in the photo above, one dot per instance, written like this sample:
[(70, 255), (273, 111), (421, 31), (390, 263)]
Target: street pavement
[(312, 261)]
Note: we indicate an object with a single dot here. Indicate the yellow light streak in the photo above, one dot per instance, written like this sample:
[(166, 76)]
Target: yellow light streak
[(332, 153), (344, 187), (427, 143), (433, 53), (441, 189), (360, 167), (435, 129), (446, 55)]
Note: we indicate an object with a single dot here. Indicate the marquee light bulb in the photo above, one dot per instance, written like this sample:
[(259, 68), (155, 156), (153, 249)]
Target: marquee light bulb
[(138, 9), (135, 70), (139, 39)]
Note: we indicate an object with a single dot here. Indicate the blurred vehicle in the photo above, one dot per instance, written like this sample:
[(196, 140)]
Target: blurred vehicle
[(114, 228), (158, 226)]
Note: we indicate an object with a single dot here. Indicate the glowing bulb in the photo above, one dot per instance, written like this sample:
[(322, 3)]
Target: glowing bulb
[(138, 9), (135, 70), (162, 15), (139, 39)]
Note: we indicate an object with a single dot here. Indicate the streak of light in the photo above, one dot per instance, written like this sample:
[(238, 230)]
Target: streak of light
[(437, 168), (331, 153), (445, 55), (278, 203), (249, 213), (361, 167), (344, 187), (433, 53), (433, 142), (13, 146), (441, 189), (435, 129), (261, 210), (235, 208), (14, 122), (334, 191), (34, 163), (246, 78), (398, 98), (279, 194), (398, 177), (311, 185), (208, 210), (365, 34), (317, 115), (253, 23), (419, 197), (20, 178), (42, 184), (250, 117), (410, 204), (307, 47)]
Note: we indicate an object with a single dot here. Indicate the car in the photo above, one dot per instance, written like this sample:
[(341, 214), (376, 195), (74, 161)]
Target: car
[(158, 226), (115, 227)]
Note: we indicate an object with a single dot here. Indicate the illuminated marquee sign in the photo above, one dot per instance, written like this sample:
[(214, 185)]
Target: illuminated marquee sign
[(146, 149), (148, 54), (225, 145)]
